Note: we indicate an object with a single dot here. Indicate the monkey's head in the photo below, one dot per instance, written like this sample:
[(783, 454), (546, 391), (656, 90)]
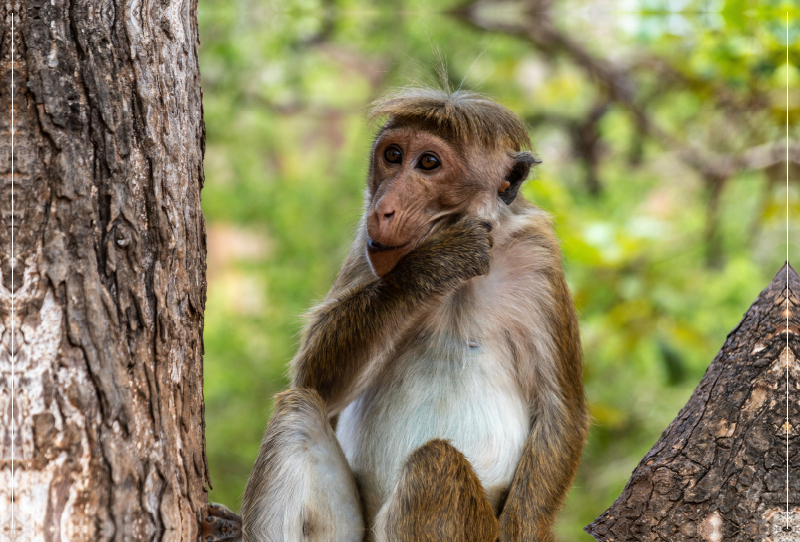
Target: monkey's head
[(439, 154)]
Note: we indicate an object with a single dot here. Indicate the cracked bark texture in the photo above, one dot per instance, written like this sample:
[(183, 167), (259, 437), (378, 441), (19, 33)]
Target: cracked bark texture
[(719, 471), (108, 271)]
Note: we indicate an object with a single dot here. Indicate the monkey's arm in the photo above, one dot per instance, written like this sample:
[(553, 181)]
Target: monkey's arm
[(559, 416), (544, 475), (357, 325)]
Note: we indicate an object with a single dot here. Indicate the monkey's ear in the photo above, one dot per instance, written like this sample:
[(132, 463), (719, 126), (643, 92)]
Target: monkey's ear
[(519, 172)]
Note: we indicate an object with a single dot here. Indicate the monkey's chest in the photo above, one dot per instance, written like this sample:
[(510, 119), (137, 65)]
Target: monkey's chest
[(466, 399)]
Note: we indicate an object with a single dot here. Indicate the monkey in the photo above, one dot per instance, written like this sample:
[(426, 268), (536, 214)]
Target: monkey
[(447, 352)]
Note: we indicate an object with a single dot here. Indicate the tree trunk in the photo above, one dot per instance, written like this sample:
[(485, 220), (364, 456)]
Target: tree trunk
[(719, 471), (108, 271)]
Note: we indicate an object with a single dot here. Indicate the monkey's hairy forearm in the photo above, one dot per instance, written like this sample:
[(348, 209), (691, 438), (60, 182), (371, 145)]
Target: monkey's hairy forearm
[(544, 475), (345, 333)]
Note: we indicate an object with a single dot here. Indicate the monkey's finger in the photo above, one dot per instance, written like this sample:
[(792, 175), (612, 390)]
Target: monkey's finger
[(222, 511), (221, 525)]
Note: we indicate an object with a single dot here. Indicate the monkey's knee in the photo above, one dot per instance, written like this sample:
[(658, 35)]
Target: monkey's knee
[(301, 487), (437, 498)]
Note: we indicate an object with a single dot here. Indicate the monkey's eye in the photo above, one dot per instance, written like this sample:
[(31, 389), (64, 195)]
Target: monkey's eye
[(428, 161), (393, 155)]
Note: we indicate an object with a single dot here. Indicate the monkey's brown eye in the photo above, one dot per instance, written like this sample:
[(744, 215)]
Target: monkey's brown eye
[(428, 161), (393, 155)]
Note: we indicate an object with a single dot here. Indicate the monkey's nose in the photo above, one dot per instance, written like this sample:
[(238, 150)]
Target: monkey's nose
[(385, 212), (386, 218)]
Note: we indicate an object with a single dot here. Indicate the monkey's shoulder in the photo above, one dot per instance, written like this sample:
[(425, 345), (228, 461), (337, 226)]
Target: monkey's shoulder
[(528, 227)]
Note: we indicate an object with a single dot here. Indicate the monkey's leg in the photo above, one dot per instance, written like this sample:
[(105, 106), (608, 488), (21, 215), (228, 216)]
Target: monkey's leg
[(437, 498), (301, 487)]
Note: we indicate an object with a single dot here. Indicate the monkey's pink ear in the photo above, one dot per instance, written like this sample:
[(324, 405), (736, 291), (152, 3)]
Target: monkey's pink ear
[(518, 173)]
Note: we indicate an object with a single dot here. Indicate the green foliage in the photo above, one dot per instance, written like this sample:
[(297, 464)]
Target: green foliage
[(285, 88)]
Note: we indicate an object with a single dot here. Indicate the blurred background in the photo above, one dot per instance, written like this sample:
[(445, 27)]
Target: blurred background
[(662, 126)]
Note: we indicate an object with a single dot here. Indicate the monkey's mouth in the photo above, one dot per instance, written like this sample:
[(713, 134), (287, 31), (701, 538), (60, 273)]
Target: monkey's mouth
[(375, 246)]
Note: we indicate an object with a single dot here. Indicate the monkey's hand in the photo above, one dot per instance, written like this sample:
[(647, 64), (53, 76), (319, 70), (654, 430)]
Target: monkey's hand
[(450, 256)]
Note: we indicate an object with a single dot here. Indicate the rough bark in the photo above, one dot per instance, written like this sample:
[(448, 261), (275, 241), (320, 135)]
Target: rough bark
[(719, 471), (109, 271)]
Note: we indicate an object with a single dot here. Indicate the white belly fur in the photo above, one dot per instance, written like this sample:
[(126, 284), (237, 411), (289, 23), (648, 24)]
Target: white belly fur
[(463, 396)]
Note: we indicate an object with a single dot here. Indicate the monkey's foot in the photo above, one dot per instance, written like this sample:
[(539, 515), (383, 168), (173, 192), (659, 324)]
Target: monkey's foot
[(221, 524), (438, 498)]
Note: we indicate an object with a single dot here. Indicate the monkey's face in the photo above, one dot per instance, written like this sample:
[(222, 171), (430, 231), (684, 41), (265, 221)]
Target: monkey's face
[(416, 179)]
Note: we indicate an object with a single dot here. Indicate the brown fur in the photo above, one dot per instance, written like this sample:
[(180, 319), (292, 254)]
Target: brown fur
[(464, 117), (552, 452), (439, 499), (450, 283), (550, 459)]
